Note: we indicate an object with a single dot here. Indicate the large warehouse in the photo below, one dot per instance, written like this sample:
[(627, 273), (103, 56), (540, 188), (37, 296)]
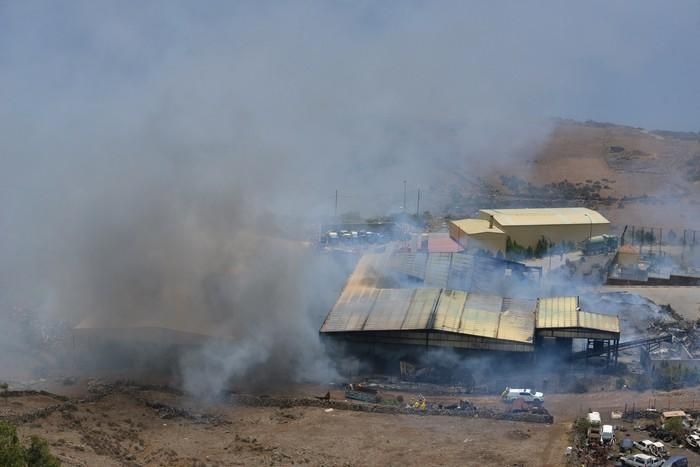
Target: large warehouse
[(433, 317), (526, 227)]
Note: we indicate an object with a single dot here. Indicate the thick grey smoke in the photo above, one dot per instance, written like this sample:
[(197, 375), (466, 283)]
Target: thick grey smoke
[(162, 163)]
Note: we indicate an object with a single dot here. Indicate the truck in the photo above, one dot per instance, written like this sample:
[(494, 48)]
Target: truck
[(642, 460), (527, 395), (594, 425), (600, 244)]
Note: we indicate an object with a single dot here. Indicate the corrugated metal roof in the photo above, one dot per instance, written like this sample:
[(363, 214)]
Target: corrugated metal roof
[(437, 269), (476, 226), (362, 307), (562, 312), (543, 216), (389, 310), (421, 309), (449, 310), (557, 312), (598, 321)]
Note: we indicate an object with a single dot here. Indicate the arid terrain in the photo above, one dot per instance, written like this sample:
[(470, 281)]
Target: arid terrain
[(115, 425), (632, 175)]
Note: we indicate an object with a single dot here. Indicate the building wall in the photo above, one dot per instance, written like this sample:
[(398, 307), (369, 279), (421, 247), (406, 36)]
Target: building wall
[(491, 241), (529, 235)]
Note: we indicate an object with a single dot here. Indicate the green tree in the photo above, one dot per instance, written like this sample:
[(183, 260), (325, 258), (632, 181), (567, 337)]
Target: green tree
[(675, 426), (38, 454), (13, 454), (11, 451)]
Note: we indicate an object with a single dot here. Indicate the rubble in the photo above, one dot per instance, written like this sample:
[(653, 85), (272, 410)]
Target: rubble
[(467, 411)]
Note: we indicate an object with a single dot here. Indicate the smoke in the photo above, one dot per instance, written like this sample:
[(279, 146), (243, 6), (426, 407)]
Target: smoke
[(165, 164)]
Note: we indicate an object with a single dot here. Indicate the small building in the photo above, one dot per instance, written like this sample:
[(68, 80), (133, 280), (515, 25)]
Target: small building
[(666, 416), (478, 234), (628, 255), (527, 227)]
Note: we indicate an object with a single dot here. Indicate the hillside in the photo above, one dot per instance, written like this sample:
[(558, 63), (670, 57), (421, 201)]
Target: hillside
[(633, 175)]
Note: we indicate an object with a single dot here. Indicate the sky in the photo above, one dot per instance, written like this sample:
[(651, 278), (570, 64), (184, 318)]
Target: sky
[(613, 61)]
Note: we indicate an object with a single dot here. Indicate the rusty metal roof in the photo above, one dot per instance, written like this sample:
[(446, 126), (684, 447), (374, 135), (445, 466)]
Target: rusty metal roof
[(432, 308), (543, 216), (364, 307)]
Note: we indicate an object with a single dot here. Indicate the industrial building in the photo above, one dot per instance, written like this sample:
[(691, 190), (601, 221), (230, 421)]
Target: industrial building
[(493, 227), (434, 317)]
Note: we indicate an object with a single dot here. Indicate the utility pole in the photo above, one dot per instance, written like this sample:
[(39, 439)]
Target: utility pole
[(335, 214), (418, 204), (404, 196)]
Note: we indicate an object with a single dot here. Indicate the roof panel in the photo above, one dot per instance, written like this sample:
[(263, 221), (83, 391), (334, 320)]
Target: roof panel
[(517, 326), (476, 226), (421, 308), (544, 216), (449, 310), (484, 302), (389, 310), (351, 311), (437, 269), (478, 322), (557, 312), (599, 321)]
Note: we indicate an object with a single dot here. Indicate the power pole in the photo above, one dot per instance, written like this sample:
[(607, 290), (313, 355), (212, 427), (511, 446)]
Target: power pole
[(335, 214), (404, 196), (418, 204)]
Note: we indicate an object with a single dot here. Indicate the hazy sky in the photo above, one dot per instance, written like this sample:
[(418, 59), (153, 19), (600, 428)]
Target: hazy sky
[(628, 62)]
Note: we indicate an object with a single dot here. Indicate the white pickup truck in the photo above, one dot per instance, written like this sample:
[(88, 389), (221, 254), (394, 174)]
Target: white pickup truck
[(642, 460), (528, 395)]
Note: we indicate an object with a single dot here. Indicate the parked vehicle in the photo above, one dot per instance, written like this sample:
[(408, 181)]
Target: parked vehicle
[(693, 440), (642, 460), (626, 444), (607, 435), (594, 425), (676, 461), (658, 449), (644, 445), (528, 395)]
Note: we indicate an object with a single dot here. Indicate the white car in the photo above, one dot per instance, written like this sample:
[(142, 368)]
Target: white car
[(644, 446), (528, 395), (658, 449), (642, 460), (693, 440)]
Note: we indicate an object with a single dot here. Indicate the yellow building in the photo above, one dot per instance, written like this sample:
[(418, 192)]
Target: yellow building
[(527, 226), (478, 234)]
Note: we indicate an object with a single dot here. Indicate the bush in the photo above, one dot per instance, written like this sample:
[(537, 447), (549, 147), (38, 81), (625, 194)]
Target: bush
[(11, 451), (581, 426), (38, 454), (13, 454)]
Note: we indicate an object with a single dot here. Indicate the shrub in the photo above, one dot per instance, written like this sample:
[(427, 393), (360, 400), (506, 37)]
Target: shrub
[(11, 451), (13, 454), (675, 426)]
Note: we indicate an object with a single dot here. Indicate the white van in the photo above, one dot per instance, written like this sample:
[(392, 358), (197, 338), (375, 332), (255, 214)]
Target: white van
[(607, 436)]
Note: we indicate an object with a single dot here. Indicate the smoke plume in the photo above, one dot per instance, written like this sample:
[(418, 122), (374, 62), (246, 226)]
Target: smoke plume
[(167, 164)]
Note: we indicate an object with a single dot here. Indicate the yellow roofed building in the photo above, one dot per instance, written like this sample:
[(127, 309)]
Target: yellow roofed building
[(527, 226)]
